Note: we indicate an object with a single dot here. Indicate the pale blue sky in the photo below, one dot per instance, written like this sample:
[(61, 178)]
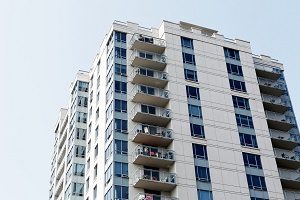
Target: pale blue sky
[(44, 43)]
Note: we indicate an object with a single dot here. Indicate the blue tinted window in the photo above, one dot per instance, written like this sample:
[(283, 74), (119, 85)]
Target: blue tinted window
[(121, 125), (121, 169), (190, 75), (204, 195), (120, 69), (121, 192), (120, 37), (202, 174), (234, 69), (240, 102), (120, 106), (256, 182), (197, 130), (237, 85), (244, 121), (194, 111), (231, 53), (192, 92), (120, 52), (120, 87), (188, 58), (199, 151), (187, 43), (252, 160), (248, 140), (121, 147)]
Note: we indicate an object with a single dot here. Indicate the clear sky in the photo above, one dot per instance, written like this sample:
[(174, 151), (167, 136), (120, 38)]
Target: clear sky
[(44, 43)]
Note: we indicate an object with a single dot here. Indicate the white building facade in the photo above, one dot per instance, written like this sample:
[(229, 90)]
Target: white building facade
[(181, 112)]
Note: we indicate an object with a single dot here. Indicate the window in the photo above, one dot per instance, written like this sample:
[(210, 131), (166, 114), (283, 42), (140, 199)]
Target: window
[(240, 102), (234, 69), (95, 171), (120, 87), (256, 198), (96, 151), (108, 152), (78, 169), (188, 58), (121, 125), (187, 43), (97, 113), (192, 92), (70, 156), (83, 86), (95, 192), (96, 132), (147, 90), (248, 140), (148, 109), (204, 195), (89, 146), (121, 169), (146, 72), (120, 106), (256, 182), (252, 160), (231, 53), (109, 92), (88, 164), (146, 55), (109, 76), (91, 96), (108, 131), (80, 134), (80, 151), (120, 52), (190, 75), (202, 174), (197, 130), (78, 189), (87, 184), (82, 101), (244, 121), (199, 151), (237, 85), (109, 195), (194, 111), (81, 117), (108, 174), (121, 192), (121, 147), (98, 96), (120, 69), (109, 111), (120, 37)]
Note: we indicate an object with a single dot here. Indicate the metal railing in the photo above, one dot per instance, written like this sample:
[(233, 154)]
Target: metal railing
[(285, 154), (271, 83), (151, 91), (148, 40), (153, 130), (150, 73), (274, 100), (278, 117), (285, 135), (145, 196), (289, 174), (155, 175), (154, 152), (156, 111), (149, 56)]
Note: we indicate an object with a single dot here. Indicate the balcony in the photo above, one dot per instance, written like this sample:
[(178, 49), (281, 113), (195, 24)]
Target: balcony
[(155, 180), (152, 115), (275, 104), (150, 95), (152, 135), (148, 59), (284, 140), (59, 187), (289, 178), (61, 155), (268, 72), (148, 43), (149, 77), (278, 121), (291, 194), (153, 156), (287, 159), (145, 196), (271, 87)]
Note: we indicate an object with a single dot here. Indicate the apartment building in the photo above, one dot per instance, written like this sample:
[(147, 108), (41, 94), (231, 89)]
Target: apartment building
[(181, 112), (68, 161)]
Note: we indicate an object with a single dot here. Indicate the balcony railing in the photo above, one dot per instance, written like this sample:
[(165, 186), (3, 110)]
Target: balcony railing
[(267, 71), (279, 121), (284, 140), (289, 178), (153, 156), (149, 77), (152, 115), (150, 95), (148, 59), (271, 87), (287, 159), (152, 135), (155, 180), (147, 43), (291, 194), (274, 103), (145, 196)]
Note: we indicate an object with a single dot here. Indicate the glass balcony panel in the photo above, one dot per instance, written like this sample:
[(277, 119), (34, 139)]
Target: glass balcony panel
[(149, 77), (287, 159), (148, 59), (148, 43)]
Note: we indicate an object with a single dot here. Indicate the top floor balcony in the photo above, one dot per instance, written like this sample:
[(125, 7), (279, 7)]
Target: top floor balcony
[(148, 59), (266, 71), (271, 87), (147, 43)]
